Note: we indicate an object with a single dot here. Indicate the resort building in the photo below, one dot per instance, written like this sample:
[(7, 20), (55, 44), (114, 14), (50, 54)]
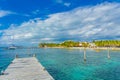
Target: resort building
[(92, 45)]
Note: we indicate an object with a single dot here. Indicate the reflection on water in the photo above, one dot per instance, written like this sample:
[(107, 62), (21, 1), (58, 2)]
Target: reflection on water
[(65, 64), (97, 50)]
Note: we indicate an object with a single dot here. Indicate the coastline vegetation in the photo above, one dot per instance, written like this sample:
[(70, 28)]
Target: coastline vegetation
[(68, 43), (107, 43), (95, 43)]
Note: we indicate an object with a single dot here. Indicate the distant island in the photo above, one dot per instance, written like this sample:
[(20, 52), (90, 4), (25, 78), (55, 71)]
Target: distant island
[(93, 44)]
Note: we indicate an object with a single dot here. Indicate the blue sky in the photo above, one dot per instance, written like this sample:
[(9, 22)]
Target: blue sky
[(34, 21)]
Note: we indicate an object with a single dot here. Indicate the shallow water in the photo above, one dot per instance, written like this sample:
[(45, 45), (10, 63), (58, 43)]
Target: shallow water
[(68, 64)]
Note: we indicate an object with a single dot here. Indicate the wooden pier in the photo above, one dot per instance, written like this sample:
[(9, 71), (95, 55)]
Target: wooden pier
[(26, 69)]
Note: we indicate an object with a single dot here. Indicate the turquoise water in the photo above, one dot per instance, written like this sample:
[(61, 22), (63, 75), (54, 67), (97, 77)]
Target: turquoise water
[(68, 64)]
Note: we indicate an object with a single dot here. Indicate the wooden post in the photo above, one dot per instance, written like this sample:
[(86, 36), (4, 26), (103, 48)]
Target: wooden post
[(85, 54), (34, 55), (16, 56), (2, 72), (108, 53)]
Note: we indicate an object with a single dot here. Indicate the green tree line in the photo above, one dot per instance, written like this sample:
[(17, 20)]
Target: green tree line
[(107, 43), (68, 43)]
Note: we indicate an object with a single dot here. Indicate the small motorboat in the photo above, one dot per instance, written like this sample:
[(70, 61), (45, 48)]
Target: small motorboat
[(12, 47)]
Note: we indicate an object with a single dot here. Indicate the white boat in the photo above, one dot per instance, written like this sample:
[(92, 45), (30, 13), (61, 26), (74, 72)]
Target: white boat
[(12, 47)]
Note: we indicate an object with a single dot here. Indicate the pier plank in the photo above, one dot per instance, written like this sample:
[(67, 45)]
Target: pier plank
[(26, 69)]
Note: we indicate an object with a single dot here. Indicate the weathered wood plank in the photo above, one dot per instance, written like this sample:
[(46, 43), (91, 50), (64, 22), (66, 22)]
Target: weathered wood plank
[(25, 69)]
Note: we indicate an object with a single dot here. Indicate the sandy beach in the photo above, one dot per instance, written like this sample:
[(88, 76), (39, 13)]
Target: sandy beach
[(97, 48)]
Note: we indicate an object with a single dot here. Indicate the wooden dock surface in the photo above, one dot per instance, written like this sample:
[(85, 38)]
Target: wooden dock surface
[(26, 69)]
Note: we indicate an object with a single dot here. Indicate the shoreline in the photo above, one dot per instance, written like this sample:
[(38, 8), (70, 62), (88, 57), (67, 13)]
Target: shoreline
[(96, 48)]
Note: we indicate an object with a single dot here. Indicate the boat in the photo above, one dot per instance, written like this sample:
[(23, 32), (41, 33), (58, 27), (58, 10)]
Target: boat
[(12, 47)]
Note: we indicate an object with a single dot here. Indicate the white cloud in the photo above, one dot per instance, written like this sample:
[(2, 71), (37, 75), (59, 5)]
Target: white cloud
[(5, 13), (87, 23), (36, 12), (67, 4)]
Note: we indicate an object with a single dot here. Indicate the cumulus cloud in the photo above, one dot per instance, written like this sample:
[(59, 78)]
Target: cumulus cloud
[(87, 23), (4, 13)]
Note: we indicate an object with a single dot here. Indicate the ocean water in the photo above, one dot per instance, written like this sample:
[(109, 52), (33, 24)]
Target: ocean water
[(68, 64)]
